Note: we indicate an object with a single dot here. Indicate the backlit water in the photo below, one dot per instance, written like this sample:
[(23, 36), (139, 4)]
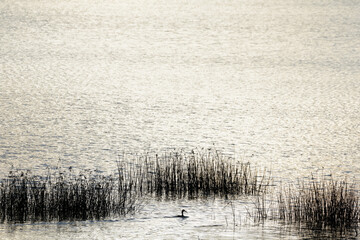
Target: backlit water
[(275, 83)]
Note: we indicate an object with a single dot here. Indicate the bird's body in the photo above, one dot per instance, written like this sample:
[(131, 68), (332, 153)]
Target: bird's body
[(182, 214)]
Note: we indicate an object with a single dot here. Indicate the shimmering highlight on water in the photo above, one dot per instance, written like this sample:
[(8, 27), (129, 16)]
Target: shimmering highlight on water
[(274, 82)]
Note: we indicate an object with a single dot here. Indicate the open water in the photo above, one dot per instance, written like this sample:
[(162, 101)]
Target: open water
[(272, 82)]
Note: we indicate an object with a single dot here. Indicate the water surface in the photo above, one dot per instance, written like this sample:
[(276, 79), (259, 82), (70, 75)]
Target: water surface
[(275, 83)]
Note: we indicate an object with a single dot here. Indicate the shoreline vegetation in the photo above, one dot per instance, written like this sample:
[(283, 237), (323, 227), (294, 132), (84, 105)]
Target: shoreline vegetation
[(321, 205), (313, 204), (64, 196), (67, 196)]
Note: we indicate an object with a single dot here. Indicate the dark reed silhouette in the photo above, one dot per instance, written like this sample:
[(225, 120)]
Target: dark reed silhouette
[(195, 174), (66, 196), (25, 197), (321, 204)]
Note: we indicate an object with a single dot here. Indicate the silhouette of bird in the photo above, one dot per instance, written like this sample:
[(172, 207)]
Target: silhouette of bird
[(182, 214)]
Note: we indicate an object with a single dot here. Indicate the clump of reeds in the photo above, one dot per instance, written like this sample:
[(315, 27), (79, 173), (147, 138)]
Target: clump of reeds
[(321, 204), (26, 197), (194, 174)]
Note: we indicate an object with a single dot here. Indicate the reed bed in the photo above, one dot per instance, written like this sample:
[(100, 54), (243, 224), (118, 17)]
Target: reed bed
[(194, 174), (25, 197), (324, 204), (64, 195)]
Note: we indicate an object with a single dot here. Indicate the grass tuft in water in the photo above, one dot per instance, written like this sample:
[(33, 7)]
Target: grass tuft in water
[(195, 174), (325, 204), (25, 197)]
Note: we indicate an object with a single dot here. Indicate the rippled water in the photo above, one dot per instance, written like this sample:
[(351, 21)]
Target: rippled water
[(211, 219), (272, 82)]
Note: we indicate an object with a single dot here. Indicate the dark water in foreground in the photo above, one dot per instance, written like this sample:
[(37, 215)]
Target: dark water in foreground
[(275, 83)]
